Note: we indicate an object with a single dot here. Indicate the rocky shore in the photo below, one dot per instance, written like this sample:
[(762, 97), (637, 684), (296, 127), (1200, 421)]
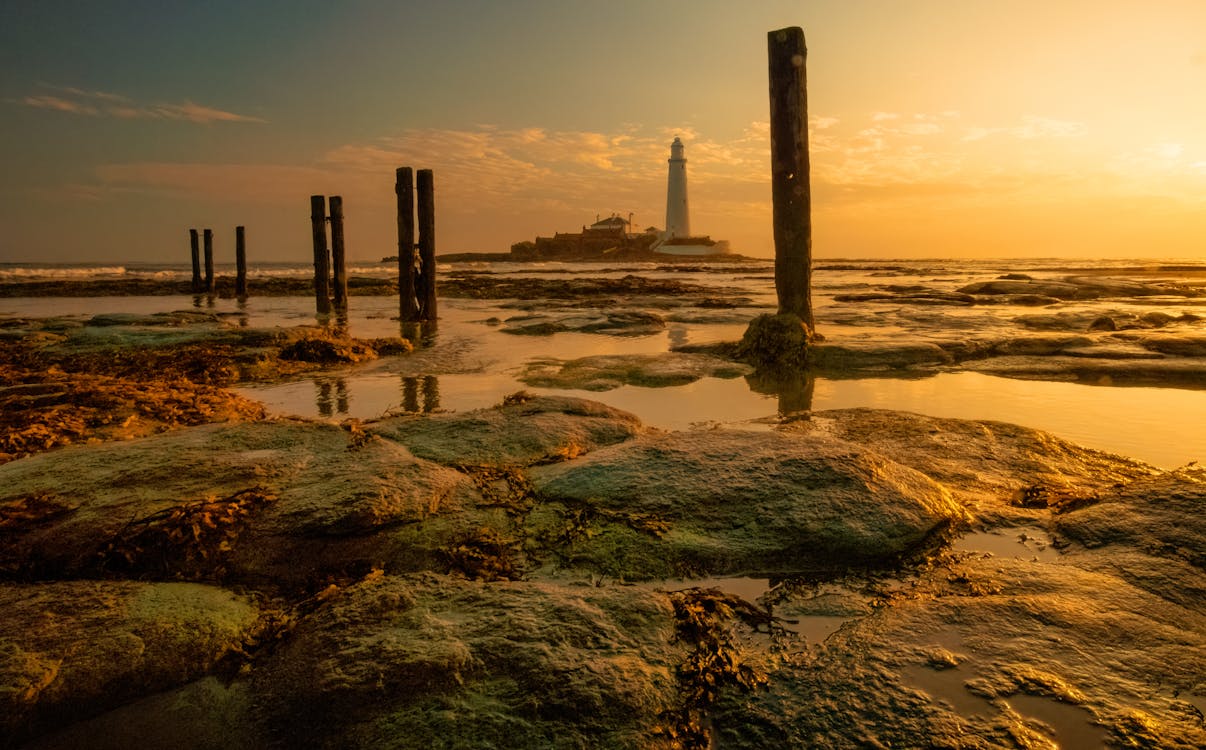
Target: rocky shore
[(508, 577), (179, 569)]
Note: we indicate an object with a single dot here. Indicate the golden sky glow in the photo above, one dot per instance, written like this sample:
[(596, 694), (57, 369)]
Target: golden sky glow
[(939, 127)]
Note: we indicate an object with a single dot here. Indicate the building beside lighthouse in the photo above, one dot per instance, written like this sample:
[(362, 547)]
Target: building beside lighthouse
[(613, 236)]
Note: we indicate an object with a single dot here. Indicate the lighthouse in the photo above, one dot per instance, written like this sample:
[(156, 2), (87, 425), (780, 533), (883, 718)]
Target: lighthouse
[(677, 223)]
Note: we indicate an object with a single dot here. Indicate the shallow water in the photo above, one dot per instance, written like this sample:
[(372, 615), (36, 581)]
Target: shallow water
[(469, 363)]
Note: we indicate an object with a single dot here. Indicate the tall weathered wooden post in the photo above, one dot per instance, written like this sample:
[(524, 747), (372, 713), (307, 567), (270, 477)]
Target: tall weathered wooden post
[(322, 269), (408, 304), (337, 253), (209, 261), (240, 263), (194, 242), (789, 172), (426, 189)]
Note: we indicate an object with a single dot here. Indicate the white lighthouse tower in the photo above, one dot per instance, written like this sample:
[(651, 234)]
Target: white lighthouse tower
[(677, 223)]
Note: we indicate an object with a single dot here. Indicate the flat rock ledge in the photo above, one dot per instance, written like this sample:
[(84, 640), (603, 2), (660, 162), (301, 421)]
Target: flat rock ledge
[(606, 372), (735, 502), (70, 649)]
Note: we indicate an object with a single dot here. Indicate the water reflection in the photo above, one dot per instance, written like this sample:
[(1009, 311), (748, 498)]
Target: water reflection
[(332, 397), (795, 391), (421, 334), (677, 336), (428, 387)]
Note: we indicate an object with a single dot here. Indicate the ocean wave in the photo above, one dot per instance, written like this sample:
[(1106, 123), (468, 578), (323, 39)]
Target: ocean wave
[(24, 273)]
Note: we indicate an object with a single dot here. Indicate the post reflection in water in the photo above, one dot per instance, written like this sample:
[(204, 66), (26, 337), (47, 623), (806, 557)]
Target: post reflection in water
[(419, 334), (431, 393), (678, 336), (332, 397), (428, 386), (338, 324), (341, 396), (244, 318), (795, 390)]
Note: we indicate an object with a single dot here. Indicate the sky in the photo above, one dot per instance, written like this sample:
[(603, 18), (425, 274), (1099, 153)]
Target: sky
[(938, 128)]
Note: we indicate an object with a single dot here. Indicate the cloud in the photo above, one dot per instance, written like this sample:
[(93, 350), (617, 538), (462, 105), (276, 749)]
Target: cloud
[(105, 104), (60, 104), (1031, 127)]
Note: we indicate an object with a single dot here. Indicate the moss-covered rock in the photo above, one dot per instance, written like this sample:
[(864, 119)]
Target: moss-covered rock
[(523, 430), (776, 342), (737, 502), (606, 372), (429, 661), (74, 648)]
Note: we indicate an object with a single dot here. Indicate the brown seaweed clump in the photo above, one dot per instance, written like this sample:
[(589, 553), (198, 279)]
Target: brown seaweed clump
[(776, 343), (41, 410)]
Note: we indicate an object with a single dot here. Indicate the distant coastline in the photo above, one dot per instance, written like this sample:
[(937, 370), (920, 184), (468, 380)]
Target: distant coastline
[(624, 254)]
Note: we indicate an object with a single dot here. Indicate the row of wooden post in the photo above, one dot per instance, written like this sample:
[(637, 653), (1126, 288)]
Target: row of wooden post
[(327, 289), (416, 261), (208, 284)]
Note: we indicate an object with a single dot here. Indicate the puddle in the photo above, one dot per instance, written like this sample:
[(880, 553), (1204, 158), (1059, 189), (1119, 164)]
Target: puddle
[(1023, 543), (946, 686), (750, 589), (1071, 725), (814, 627)]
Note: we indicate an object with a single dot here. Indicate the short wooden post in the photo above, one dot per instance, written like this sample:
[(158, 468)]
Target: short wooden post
[(426, 203), (240, 263), (195, 244), (209, 261), (408, 304), (337, 255), (790, 194), (322, 270)]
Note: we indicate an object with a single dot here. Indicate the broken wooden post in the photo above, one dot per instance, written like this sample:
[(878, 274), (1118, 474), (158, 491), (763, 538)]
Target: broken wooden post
[(240, 263), (337, 255), (195, 244), (322, 270), (789, 172), (408, 304), (427, 299), (209, 261)]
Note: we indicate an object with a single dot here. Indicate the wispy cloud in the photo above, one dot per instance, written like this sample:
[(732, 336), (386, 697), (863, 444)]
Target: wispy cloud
[(106, 104), (1031, 127)]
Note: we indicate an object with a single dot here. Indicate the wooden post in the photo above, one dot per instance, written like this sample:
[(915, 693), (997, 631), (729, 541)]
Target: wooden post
[(408, 305), (337, 256), (424, 184), (209, 261), (322, 270), (240, 263), (789, 172), (195, 243)]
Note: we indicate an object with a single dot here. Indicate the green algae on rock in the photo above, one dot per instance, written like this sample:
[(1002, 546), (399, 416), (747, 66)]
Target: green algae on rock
[(523, 430), (428, 661), (738, 502), (605, 372), (74, 648)]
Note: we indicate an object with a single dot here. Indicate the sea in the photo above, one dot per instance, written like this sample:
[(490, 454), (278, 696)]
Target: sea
[(472, 358)]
